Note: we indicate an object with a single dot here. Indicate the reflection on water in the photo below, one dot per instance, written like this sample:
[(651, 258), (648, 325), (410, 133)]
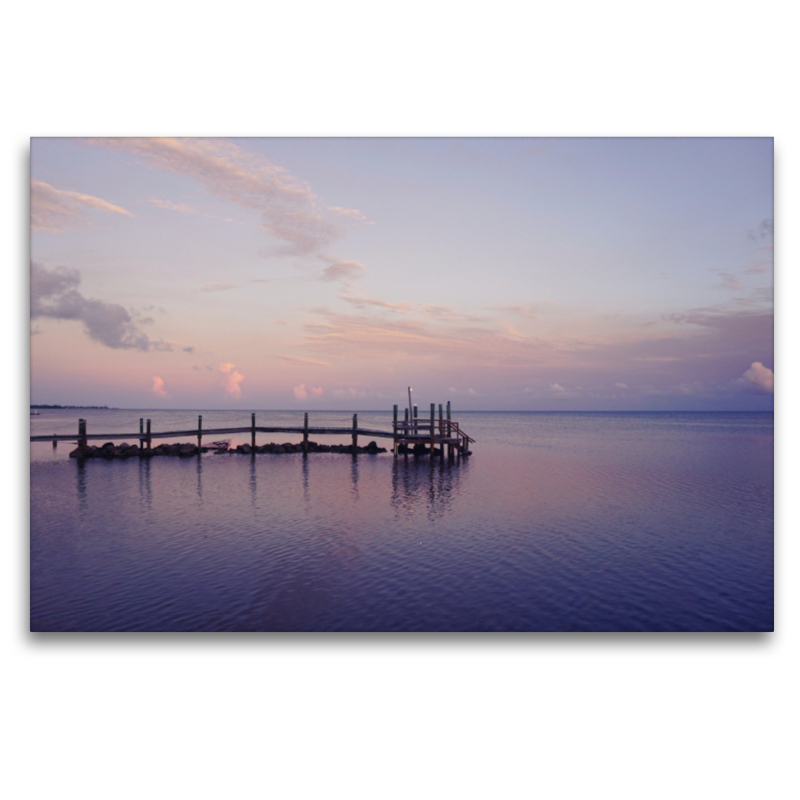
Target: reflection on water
[(432, 484), (627, 525), (145, 489)]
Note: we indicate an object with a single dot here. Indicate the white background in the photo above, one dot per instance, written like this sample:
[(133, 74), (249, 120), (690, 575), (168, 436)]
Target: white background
[(636, 716)]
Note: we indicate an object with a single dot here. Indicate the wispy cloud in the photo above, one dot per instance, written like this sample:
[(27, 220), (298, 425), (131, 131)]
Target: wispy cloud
[(217, 287), (287, 205), (59, 209), (304, 362), (233, 380), (54, 294), (170, 206), (342, 271)]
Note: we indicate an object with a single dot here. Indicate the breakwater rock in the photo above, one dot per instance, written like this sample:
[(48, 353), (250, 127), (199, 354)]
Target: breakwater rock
[(313, 447), (110, 451)]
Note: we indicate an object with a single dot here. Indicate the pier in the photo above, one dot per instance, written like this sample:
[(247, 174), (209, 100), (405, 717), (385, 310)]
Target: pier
[(413, 435)]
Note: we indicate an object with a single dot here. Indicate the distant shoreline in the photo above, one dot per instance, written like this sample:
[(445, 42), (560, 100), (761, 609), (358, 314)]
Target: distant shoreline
[(93, 408)]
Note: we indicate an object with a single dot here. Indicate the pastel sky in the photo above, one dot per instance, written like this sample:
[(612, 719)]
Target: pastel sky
[(500, 274)]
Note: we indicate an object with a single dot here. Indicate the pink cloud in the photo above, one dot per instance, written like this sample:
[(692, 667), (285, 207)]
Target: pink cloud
[(158, 387), (233, 380)]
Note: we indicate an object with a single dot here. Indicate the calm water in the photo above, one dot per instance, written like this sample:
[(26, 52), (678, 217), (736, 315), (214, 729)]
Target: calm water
[(558, 522)]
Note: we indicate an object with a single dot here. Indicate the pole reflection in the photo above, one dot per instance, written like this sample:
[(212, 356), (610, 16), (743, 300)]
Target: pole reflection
[(81, 478), (145, 488), (432, 485)]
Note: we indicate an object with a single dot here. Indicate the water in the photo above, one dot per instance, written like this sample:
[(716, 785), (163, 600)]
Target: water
[(558, 522)]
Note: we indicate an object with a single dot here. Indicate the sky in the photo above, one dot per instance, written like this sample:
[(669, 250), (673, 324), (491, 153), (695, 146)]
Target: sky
[(333, 273)]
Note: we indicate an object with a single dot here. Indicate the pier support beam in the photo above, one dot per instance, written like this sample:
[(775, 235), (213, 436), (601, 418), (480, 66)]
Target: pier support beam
[(149, 439), (199, 431), (141, 433), (449, 446), (394, 430), (253, 430), (305, 433), (433, 428), (355, 434)]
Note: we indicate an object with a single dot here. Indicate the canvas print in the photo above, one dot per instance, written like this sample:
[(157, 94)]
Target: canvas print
[(414, 384)]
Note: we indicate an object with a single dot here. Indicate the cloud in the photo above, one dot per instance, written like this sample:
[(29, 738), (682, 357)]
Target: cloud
[(304, 362), (232, 381), (758, 378), (363, 302), (58, 209), (621, 385), (217, 287), (287, 204), (300, 392), (317, 390), (351, 213), (556, 387), (182, 207), (158, 387), (342, 270), (54, 294), (188, 349)]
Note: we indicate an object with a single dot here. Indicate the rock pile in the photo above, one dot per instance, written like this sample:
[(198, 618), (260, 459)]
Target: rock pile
[(109, 450)]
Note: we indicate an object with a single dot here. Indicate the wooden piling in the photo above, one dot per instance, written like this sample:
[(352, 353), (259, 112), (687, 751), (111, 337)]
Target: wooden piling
[(149, 440), (199, 431), (82, 435), (253, 430), (433, 427), (415, 418), (449, 446), (355, 434), (441, 431), (305, 433), (394, 429), (141, 433)]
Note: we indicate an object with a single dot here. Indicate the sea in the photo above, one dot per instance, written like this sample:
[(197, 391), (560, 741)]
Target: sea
[(563, 521)]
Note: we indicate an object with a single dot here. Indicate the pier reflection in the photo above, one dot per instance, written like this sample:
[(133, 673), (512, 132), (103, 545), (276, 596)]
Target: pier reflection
[(433, 485), (80, 476), (145, 488)]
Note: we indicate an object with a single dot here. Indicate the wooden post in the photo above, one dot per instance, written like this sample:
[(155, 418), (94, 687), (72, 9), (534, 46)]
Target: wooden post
[(149, 439), (82, 436), (355, 434), (305, 433), (394, 430), (253, 430), (441, 431), (199, 431), (449, 446), (406, 431), (141, 433), (433, 427), (414, 423)]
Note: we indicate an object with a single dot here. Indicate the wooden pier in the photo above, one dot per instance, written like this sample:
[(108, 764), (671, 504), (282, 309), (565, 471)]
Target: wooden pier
[(413, 435)]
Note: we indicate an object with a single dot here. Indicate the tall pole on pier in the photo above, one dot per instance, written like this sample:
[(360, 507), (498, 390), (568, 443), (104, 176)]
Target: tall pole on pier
[(149, 439), (305, 433), (394, 430), (253, 430), (433, 427), (199, 431), (355, 434)]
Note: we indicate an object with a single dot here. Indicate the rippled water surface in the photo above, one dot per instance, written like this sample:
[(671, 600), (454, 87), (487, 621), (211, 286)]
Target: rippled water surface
[(561, 521)]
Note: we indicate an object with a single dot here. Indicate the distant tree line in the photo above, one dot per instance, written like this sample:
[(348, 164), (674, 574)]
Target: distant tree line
[(94, 407)]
